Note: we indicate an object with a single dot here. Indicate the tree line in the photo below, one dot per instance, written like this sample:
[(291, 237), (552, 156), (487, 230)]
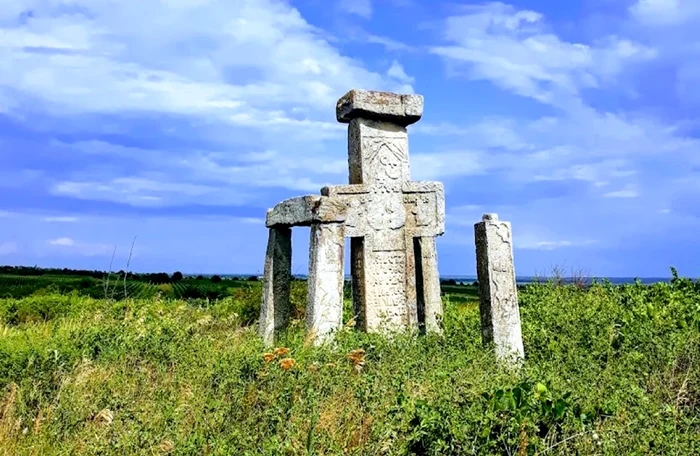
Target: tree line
[(152, 277)]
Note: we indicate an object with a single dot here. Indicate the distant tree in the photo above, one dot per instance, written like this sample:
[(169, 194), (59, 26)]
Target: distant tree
[(216, 279), (177, 276), (159, 278), (200, 277), (253, 278)]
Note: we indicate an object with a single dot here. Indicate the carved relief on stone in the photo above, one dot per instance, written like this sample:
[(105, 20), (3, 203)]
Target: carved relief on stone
[(385, 157), (387, 212)]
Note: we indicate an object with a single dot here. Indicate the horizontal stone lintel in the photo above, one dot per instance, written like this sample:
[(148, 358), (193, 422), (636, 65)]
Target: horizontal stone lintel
[(406, 187), (306, 210), (401, 109)]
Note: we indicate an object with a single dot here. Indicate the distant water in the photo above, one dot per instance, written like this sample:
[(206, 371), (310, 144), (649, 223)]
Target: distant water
[(521, 280)]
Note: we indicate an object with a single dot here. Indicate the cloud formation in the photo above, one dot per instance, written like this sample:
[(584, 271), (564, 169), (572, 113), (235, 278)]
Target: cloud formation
[(113, 124)]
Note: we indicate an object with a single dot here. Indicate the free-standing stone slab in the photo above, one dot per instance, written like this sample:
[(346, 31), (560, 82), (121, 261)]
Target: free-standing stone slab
[(274, 313), (500, 314), (324, 309)]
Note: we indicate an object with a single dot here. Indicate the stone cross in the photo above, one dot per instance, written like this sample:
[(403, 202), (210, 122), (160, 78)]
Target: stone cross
[(391, 221), (498, 296)]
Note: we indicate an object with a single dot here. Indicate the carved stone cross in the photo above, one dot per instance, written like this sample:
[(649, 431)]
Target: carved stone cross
[(391, 220)]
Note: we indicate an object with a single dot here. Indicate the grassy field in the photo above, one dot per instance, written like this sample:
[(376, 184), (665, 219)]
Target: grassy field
[(16, 286), (609, 370)]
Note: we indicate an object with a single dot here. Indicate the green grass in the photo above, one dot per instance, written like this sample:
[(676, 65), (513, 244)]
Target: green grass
[(609, 370), (113, 287)]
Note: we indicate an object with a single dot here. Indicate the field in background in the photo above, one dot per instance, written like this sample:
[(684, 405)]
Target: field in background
[(609, 370), (150, 286)]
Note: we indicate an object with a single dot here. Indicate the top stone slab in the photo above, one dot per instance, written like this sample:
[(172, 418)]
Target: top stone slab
[(400, 109)]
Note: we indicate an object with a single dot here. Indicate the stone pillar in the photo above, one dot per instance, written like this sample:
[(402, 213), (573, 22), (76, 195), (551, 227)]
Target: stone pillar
[(500, 315), (274, 314), (378, 160), (430, 286), (324, 310)]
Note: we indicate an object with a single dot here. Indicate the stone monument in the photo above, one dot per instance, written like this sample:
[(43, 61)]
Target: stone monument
[(498, 295), (391, 221)]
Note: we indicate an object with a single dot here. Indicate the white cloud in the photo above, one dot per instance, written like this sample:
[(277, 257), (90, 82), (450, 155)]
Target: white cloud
[(66, 242), (7, 248), (69, 245), (447, 164), (236, 77), (553, 245), (626, 192), (664, 12), (362, 8), (512, 48), (61, 219), (397, 72), (124, 61), (252, 221)]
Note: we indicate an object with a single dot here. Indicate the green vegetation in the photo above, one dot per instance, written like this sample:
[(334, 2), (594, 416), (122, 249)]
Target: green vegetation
[(610, 370), (113, 286)]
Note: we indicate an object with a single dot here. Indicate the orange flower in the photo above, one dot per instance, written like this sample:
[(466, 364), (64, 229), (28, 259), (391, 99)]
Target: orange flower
[(287, 363), (357, 357), (268, 357), (281, 351)]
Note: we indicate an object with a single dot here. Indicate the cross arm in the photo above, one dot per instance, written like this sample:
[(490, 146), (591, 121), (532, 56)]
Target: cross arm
[(305, 210), (432, 205)]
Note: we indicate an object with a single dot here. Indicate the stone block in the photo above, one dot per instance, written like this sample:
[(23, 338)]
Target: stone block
[(275, 308), (324, 309), (498, 299), (401, 109), (305, 210)]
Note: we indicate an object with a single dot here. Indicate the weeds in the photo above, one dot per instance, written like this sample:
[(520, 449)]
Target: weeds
[(609, 370)]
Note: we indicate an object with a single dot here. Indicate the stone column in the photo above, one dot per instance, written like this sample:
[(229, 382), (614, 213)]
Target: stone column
[(430, 287), (500, 315), (274, 314), (324, 309)]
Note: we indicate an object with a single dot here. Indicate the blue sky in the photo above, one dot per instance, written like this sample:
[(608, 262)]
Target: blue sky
[(181, 121)]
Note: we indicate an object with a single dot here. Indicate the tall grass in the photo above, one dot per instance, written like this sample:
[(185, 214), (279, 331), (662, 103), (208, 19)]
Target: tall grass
[(609, 370)]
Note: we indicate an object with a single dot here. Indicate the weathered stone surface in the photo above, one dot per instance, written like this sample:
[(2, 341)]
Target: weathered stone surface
[(500, 315), (377, 152), (396, 108), (429, 287), (391, 221), (324, 310), (386, 210), (424, 204), (274, 313), (305, 210)]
